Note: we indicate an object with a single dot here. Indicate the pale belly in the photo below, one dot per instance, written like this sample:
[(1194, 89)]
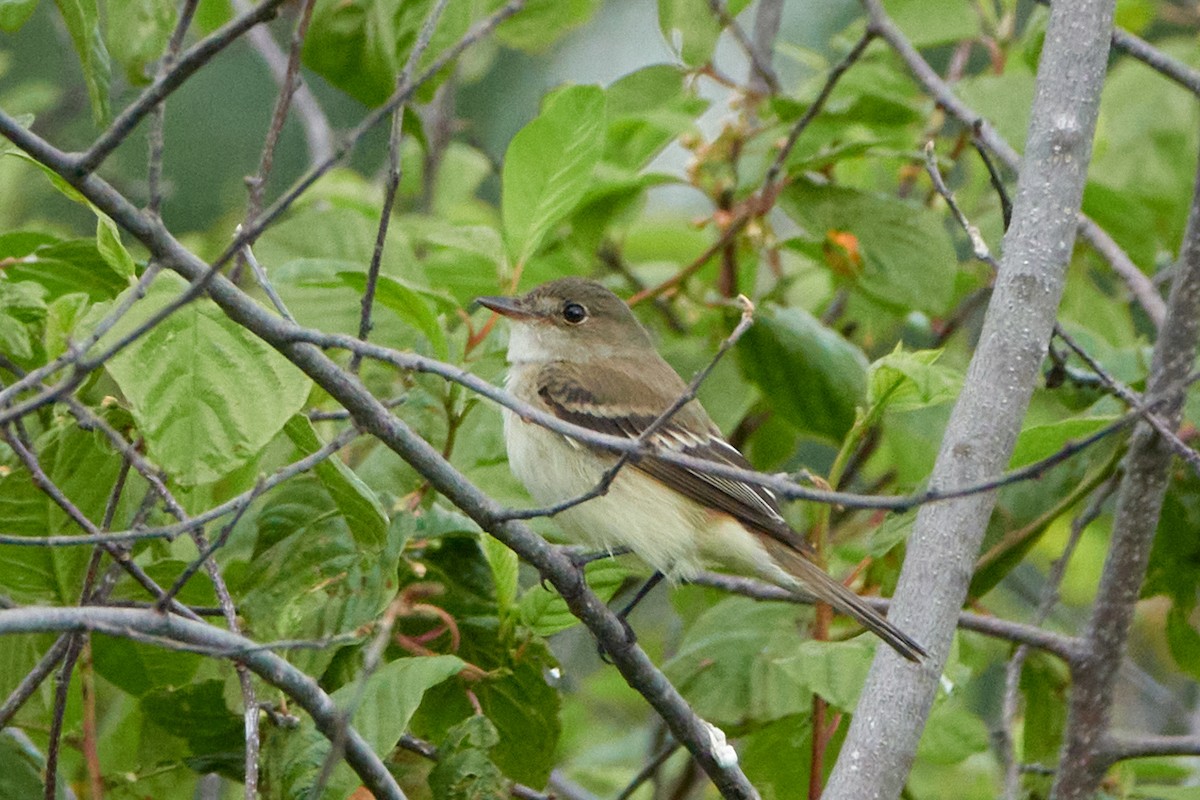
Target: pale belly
[(671, 533)]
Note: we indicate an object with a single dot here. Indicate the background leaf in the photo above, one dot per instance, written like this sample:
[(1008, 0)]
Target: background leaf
[(548, 167), (206, 393), (811, 376)]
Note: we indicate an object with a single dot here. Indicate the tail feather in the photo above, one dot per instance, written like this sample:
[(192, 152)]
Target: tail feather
[(824, 588)]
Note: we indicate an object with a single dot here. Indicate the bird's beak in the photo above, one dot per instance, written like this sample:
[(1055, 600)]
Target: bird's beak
[(505, 306)]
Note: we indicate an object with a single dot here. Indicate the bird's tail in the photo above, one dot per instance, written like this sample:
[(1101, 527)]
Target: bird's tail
[(824, 588)]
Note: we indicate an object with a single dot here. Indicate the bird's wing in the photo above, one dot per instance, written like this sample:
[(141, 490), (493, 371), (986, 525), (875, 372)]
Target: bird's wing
[(596, 403)]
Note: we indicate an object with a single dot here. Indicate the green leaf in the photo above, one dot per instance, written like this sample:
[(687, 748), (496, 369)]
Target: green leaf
[(70, 267), (1174, 568), (546, 613), (904, 380), (548, 167), (773, 756), (84, 467), (353, 46), (409, 305), (926, 24), (464, 771), (198, 714), (138, 32), (953, 733), (895, 252), (690, 28), (309, 577), (139, 668), (807, 373), (735, 664), (82, 18), (361, 47), (21, 765), (382, 709), (108, 243), (14, 14), (362, 510), (1041, 441), (1184, 641), (1166, 793), (647, 110), (541, 23), (504, 564), (62, 315), (22, 310), (1044, 686), (207, 394), (834, 670)]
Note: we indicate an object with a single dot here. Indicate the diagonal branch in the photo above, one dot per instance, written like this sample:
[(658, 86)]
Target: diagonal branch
[(207, 639)]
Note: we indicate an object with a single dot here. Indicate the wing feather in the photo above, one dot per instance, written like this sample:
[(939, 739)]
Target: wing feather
[(690, 432)]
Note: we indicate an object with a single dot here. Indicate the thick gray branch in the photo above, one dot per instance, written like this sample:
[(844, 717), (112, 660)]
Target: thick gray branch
[(1147, 470), (882, 740)]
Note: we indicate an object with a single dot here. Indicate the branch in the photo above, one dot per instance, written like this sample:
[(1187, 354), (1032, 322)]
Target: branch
[(1154, 58), (1140, 286), (1124, 747), (760, 65), (202, 638), (318, 135), (196, 57), (882, 739), (1147, 471)]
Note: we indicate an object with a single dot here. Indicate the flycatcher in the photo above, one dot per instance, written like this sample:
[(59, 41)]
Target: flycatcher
[(577, 352)]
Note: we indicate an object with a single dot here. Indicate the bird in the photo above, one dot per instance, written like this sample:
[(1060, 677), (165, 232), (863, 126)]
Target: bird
[(577, 352)]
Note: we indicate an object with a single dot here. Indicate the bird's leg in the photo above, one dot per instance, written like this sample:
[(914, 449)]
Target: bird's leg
[(623, 614)]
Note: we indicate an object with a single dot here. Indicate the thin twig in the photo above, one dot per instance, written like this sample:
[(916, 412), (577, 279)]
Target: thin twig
[(1016, 664), (762, 69), (1156, 59), (196, 57), (234, 505), (764, 200), (775, 171), (318, 134), (159, 115), (257, 183), (1140, 286), (649, 770), (392, 184)]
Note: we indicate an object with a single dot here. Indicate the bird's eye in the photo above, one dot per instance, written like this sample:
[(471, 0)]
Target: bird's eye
[(574, 313)]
